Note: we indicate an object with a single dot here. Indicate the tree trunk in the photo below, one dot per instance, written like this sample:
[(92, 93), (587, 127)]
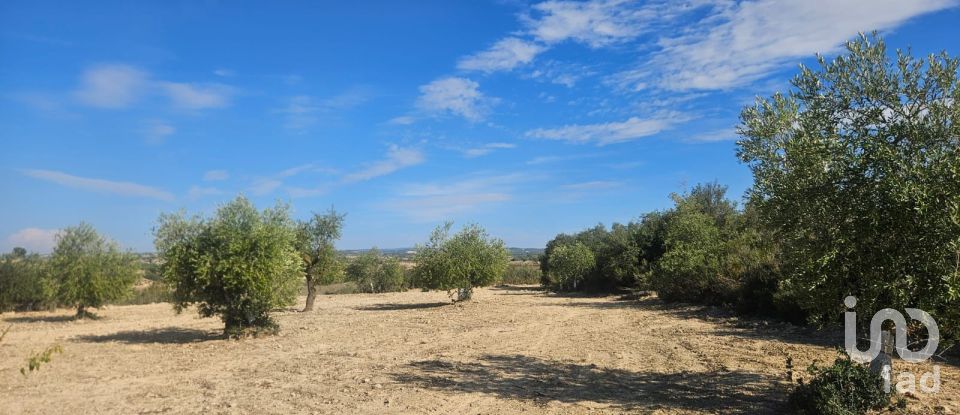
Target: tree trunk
[(311, 294), (81, 312)]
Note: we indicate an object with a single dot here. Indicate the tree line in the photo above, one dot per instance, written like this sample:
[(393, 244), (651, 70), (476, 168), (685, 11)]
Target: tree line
[(856, 192)]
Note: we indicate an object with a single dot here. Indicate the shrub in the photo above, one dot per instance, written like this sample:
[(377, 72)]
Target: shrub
[(468, 259), (156, 292), (570, 264), (845, 388), (25, 282), (39, 359), (90, 271), (375, 273), (521, 272), (240, 264)]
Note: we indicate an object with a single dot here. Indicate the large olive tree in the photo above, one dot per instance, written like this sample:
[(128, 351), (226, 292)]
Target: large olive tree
[(468, 259), (322, 264), (857, 169), (240, 264), (88, 270)]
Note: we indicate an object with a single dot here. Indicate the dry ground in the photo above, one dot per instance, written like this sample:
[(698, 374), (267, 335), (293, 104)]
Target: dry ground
[(511, 350)]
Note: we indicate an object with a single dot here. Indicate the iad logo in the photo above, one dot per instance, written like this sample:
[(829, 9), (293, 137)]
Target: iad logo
[(878, 355)]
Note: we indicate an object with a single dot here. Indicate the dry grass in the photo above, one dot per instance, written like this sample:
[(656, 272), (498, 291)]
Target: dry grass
[(511, 350)]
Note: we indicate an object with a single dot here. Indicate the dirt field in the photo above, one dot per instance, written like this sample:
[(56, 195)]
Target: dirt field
[(511, 350)]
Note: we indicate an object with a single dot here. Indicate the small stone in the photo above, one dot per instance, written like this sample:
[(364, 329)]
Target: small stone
[(378, 386)]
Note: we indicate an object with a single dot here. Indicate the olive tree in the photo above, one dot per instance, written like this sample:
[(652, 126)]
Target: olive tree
[(857, 169), (239, 264), (376, 273), (468, 259), (315, 240), (570, 264), (89, 270)]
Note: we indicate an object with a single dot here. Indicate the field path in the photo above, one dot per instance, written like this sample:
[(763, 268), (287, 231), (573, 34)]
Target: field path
[(510, 350)]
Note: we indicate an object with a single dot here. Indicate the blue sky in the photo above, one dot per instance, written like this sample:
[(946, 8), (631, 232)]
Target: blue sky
[(530, 118)]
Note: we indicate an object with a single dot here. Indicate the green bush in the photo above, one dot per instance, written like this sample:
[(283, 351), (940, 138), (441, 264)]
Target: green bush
[(89, 270), (570, 264), (375, 273), (157, 292), (25, 282), (521, 272), (240, 264), (845, 388), (468, 259)]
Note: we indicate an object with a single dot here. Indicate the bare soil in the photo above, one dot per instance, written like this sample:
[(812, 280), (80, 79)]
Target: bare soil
[(510, 350)]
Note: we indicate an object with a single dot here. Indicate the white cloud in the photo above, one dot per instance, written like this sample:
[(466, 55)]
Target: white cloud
[(34, 239), (223, 73), (504, 55), (592, 185), (402, 120), (304, 111), (397, 158), (609, 133), (595, 23), (747, 41), (100, 185), (431, 202), (486, 149), (158, 131), (261, 187), (197, 96), (197, 192), (459, 96), (215, 175), (301, 113), (111, 86), (714, 136)]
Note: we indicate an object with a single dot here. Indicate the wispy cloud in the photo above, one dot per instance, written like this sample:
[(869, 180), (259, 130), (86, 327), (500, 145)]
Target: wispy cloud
[(34, 239), (726, 134), (215, 175), (458, 96), (403, 120), (100, 185), (595, 23), (265, 185), (197, 96), (111, 86), (303, 111), (197, 192), (486, 149), (397, 158), (157, 131), (611, 132), (116, 86), (739, 43), (437, 201), (504, 55), (592, 185)]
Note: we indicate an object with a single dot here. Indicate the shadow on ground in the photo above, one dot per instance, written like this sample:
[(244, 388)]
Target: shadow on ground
[(168, 335), (527, 378), (40, 319), (400, 306), (728, 323)]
